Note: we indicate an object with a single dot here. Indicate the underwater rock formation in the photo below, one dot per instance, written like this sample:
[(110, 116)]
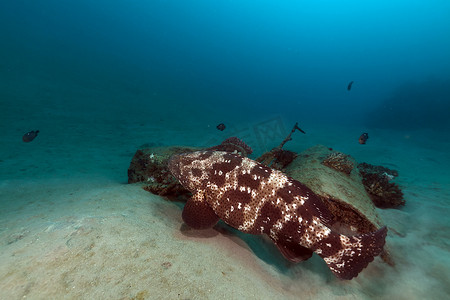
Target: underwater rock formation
[(378, 183), (277, 159), (256, 199), (343, 192), (149, 166), (339, 187), (233, 144)]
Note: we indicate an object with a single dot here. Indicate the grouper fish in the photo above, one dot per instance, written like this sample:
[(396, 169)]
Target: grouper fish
[(256, 199)]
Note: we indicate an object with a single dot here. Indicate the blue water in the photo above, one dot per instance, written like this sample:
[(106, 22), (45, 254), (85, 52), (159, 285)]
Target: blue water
[(293, 58), (100, 78)]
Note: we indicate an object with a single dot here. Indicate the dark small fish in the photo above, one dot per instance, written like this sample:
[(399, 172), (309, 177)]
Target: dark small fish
[(349, 86), (29, 136), (363, 138), (221, 127)]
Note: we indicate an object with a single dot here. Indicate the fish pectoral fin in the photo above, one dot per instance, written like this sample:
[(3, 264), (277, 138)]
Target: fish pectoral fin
[(198, 214), (293, 252)]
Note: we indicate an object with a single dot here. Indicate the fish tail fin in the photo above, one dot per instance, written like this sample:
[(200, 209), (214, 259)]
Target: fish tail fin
[(348, 256)]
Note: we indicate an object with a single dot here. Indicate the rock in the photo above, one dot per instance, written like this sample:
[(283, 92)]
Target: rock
[(340, 187), (277, 159), (343, 193), (378, 183), (149, 166), (327, 173), (233, 144)]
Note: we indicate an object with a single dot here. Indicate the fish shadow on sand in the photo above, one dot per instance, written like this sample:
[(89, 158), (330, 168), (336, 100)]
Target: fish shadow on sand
[(261, 247)]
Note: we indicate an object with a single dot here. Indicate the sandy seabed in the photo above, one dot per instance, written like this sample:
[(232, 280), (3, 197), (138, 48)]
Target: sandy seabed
[(70, 226)]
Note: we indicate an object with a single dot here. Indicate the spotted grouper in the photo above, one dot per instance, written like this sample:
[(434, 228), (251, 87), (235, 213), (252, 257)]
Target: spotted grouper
[(256, 199)]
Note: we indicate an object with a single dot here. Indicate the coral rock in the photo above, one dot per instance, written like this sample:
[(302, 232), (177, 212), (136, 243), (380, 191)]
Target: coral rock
[(149, 166), (377, 181), (233, 144), (277, 159), (342, 192)]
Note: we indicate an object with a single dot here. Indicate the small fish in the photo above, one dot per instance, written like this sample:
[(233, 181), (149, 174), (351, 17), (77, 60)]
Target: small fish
[(221, 127), (363, 138), (349, 86), (29, 136)]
